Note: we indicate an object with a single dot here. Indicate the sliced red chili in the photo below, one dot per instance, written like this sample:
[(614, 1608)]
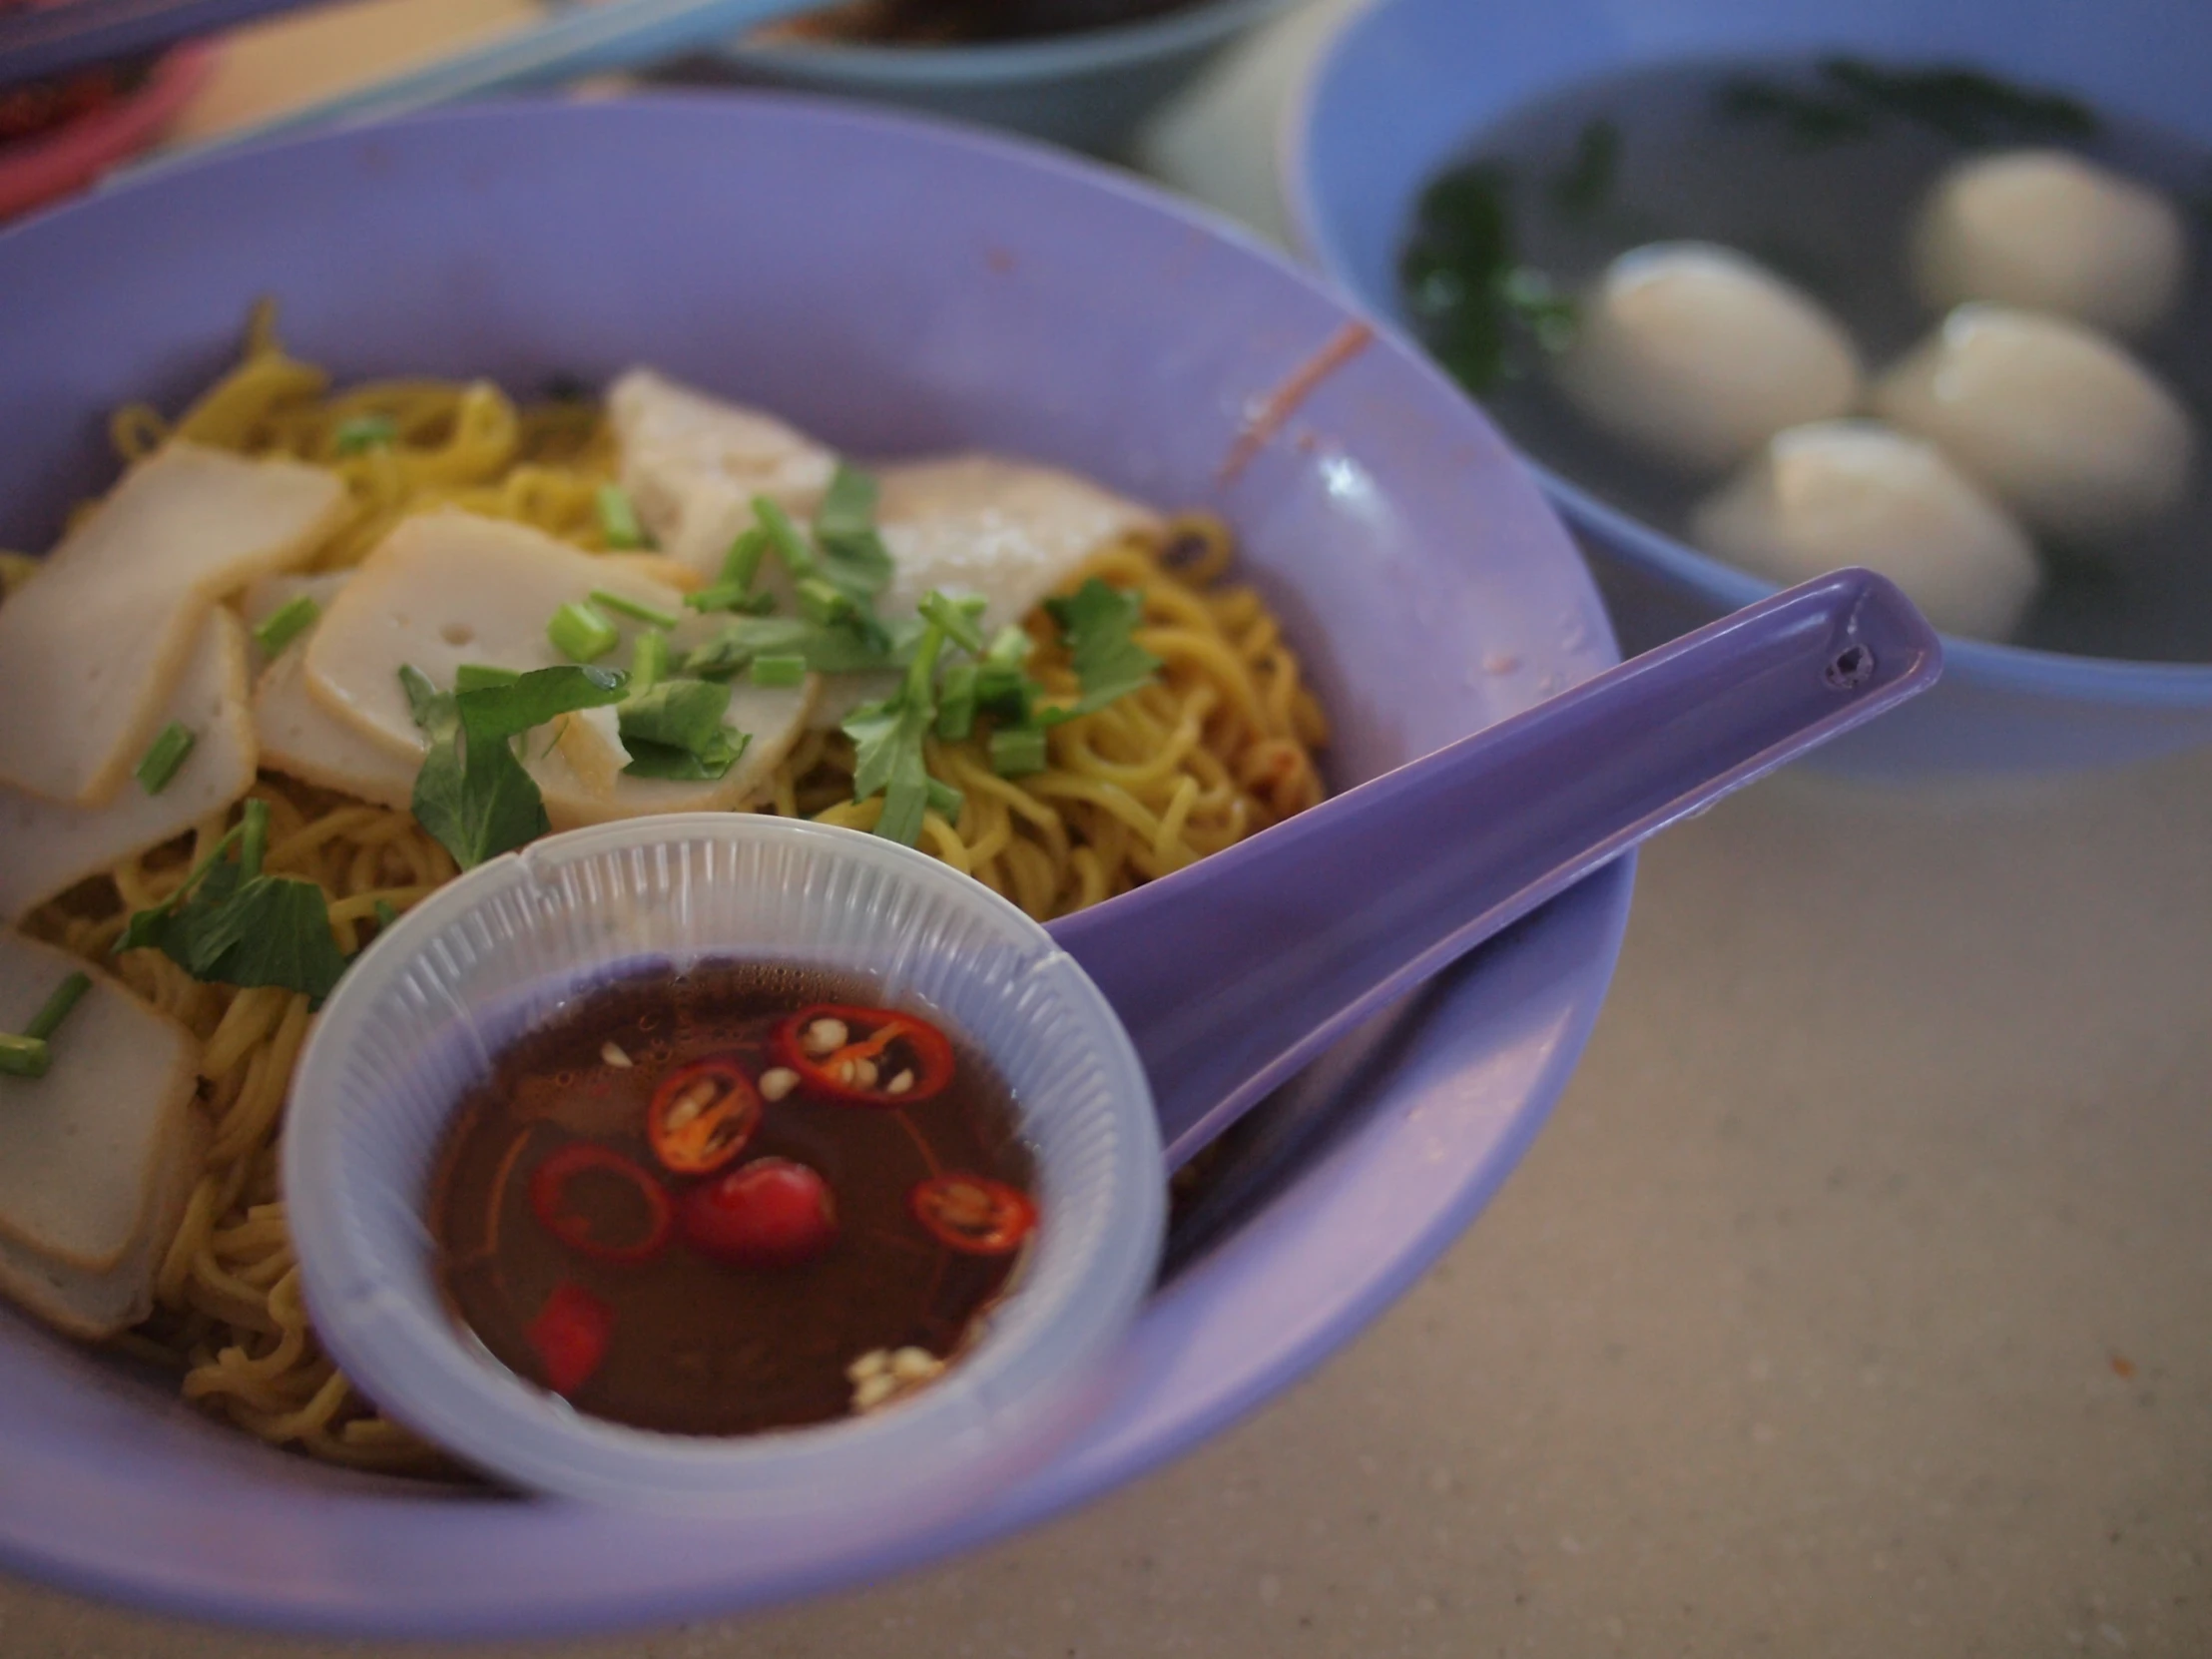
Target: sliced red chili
[(549, 1201), (570, 1334), (974, 1214), (702, 1115), (868, 1056)]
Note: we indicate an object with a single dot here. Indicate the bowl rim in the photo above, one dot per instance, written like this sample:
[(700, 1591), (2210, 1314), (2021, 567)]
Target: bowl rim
[(2019, 669), (1481, 1066), (999, 62)]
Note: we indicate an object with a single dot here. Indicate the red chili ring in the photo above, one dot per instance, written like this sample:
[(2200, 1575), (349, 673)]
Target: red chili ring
[(973, 1214), (870, 1034), (549, 1186)]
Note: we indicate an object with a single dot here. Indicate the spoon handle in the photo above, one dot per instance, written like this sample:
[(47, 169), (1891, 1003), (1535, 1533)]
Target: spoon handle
[(1232, 974)]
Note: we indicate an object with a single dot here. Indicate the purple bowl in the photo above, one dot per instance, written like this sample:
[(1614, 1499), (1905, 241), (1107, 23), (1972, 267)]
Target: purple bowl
[(893, 286)]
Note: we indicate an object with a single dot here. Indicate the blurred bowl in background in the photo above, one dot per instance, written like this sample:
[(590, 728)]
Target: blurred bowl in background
[(1408, 86), (1088, 91)]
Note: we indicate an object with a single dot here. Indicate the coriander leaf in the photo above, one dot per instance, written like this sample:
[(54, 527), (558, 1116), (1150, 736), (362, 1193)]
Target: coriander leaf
[(1098, 623), (852, 554), (511, 709), (827, 650), (887, 758), (471, 794), (659, 760), (240, 930), (680, 718)]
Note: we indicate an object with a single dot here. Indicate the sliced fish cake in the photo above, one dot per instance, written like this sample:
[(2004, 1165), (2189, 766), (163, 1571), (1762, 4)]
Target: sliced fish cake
[(92, 647), (50, 847)]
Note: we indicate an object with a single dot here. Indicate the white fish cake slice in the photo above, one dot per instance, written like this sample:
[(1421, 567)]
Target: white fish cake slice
[(95, 1304), (449, 588), (52, 847), (91, 648), (692, 464), (301, 738), (80, 1148), (1008, 531)]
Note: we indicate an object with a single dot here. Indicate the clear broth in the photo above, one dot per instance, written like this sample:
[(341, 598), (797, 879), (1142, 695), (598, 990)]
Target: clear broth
[(1836, 220)]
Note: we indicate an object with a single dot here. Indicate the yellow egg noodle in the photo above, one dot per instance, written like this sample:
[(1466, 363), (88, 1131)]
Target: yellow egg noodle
[(1219, 745)]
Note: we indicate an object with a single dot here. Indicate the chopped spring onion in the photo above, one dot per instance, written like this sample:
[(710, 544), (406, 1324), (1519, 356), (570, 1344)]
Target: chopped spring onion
[(957, 618), (632, 609), (648, 662), (742, 562), (580, 633), (778, 670), (1017, 753), (477, 676), (946, 801), (23, 1056), (957, 703), (287, 623), (824, 602), (368, 431), (783, 535), (28, 1055), (618, 518), (164, 755), (729, 596)]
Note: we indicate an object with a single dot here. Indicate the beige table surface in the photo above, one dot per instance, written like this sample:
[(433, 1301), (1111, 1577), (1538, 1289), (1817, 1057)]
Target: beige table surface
[(1857, 1301)]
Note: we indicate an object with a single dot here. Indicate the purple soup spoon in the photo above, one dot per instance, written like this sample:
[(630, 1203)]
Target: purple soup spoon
[(1232, 974)]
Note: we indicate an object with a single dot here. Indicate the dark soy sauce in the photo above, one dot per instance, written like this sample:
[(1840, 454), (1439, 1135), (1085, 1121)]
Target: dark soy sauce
[(1739, 152), (698, 1346)]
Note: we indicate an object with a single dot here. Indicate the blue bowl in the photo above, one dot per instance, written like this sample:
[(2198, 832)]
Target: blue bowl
[(1447, 70), (897, 287), (1088, 91)]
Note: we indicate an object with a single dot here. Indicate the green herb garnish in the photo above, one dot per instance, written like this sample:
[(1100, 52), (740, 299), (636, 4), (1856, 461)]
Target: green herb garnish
[(635, 609), (472, 793), (648, 661), (827, 650), (618, 518), (1587, 182), (164, 755), (29, 1054), (852, 553), (580, 632), (1018, 751), (230, 924), (367, 432), (287, 623), (1852, 96), (1480, 312), (476, 676), (1098, 623), (779, 670), (674, 731), (888, 743)]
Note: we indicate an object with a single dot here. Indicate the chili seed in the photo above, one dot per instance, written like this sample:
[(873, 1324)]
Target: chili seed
[(916, 1365), (612, 1053), (900, 1084), (875, 1391), (777, 1082), (824, 1036), (864, 1073), (872, 1363)]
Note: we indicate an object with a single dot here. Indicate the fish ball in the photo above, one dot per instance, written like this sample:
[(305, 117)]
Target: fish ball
[(2071, 434), (1697, 355), (2049, 232), (1856, 492)]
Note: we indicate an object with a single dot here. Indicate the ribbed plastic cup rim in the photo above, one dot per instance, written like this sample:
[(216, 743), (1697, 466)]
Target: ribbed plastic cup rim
[(363, 1245)]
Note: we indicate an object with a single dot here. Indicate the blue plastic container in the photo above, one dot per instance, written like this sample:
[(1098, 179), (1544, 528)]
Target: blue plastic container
[(1408, 84)]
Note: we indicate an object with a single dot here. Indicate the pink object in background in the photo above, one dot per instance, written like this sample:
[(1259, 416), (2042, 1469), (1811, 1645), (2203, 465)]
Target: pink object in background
[(39, 168)]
